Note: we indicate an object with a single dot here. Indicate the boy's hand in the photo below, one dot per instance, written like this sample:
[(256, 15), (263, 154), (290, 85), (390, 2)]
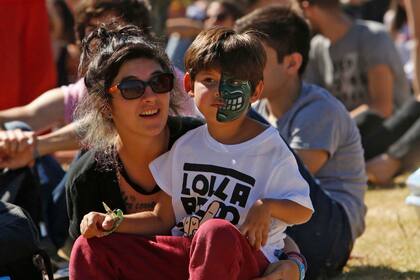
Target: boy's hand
[(284, 269), (256, 224)]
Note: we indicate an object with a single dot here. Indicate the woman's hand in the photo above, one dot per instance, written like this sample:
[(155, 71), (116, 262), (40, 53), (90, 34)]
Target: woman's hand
[(256, 224), (96, 224), (281, 270)]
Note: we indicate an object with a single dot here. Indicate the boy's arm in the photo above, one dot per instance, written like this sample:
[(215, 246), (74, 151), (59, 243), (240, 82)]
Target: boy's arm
[(257, 223), (287, 211)]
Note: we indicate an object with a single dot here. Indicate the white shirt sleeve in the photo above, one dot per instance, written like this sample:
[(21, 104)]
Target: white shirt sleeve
[(161, 169), (286, 182)]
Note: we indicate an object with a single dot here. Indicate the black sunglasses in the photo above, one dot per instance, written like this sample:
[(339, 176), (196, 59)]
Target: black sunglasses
[(134, 88)]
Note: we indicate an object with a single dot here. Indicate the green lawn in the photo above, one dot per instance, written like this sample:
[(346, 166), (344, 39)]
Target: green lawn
[(390, 245)]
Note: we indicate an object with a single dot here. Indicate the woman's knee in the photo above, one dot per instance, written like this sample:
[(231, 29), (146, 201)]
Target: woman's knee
[(87, 246)]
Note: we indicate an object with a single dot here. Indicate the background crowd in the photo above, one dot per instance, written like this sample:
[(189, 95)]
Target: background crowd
[(341, 85)]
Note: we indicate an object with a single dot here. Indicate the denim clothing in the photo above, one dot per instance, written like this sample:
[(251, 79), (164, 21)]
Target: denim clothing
[(51, 178)]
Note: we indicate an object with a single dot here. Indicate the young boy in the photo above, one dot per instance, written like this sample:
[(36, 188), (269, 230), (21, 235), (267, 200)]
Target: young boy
[(234, 167)]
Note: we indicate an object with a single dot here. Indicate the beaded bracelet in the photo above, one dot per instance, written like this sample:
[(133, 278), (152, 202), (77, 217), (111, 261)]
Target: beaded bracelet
[(117, 215), (295, 257), (300, 261)]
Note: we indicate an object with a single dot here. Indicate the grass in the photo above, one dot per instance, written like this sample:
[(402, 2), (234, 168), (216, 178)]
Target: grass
[(390, 245)]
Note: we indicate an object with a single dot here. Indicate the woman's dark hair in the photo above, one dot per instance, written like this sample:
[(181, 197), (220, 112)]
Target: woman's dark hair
[(103, 53)]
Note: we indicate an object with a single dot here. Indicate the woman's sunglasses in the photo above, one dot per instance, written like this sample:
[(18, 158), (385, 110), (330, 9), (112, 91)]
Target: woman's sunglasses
[(132, 89)]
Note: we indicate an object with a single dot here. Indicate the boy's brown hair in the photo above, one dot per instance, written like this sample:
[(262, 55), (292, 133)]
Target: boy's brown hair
[(239, 55)]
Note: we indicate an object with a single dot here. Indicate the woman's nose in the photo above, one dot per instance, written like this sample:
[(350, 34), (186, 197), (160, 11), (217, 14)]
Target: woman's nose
[(148, 94)]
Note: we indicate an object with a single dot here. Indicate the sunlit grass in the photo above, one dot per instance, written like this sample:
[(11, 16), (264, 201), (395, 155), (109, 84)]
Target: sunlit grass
[(390, 245)]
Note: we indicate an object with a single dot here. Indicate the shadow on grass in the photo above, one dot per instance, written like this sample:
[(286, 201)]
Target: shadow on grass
[(377, 272)]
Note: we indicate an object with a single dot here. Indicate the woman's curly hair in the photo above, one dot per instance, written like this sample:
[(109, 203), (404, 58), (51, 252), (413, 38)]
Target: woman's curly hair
[(103, 53)]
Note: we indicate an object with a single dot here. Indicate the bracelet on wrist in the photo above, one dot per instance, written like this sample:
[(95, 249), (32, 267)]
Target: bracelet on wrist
[(117, 216), (295, 257), (300, 261)]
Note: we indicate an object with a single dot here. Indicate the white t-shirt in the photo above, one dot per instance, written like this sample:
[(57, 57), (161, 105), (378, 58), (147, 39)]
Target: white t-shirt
[(204, 176)]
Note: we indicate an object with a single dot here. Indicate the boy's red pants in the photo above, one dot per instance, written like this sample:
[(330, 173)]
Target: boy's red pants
[(217, 251)]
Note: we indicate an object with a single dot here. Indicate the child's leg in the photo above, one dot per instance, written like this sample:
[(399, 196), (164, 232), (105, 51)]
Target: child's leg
[(219, 251), (124, 256)]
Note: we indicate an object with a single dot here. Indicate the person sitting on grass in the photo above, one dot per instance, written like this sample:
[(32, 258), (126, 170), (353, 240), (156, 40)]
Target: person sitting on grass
[(320, 130), (233, 169)]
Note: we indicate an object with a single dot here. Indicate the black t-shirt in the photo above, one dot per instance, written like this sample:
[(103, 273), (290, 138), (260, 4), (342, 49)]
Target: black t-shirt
[(89, 184)]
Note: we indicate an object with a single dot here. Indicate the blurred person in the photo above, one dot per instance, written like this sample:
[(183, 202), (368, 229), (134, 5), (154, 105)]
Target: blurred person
[(199, 15), (357, 62), (222, 13), (366, 9), (55, 107), (255, 4), (27, 63), (395, 20), (320, 130), (159, 15), (181, 31), (63, 39), (402, 131)]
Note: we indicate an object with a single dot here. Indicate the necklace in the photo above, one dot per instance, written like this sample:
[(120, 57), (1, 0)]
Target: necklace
[(133, 184)]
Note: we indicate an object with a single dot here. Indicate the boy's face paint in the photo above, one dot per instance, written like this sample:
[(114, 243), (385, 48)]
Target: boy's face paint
[(235, 94)]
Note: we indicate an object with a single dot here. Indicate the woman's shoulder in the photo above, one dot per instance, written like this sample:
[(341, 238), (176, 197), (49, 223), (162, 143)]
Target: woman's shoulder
[(179, 125), (85, 166)]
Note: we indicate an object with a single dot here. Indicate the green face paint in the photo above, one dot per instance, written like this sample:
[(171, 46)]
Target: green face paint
[(236, 94)]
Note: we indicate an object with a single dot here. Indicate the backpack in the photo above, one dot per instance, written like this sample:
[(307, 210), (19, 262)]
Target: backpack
[(21, 187), (20, 256)]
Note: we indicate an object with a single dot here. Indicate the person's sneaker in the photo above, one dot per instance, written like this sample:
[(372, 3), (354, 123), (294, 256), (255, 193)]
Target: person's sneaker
[(65, 250), (62, 273)]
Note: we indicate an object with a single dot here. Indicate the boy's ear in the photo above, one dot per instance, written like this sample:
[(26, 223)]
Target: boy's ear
[(188, 86), (257, 93), (293, 62)]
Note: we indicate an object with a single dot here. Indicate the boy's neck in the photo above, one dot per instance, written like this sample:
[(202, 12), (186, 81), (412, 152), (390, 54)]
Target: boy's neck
[(236, 131), (281, 102)]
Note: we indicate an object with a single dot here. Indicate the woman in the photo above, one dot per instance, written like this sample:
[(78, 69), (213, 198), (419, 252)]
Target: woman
[(125, 124)]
